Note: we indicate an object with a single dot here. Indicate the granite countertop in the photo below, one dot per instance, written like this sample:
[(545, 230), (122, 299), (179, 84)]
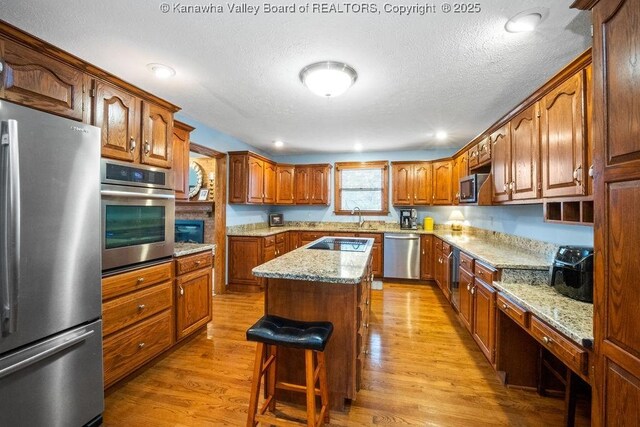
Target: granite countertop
[(182, 249), (572, 318), (316, 265)]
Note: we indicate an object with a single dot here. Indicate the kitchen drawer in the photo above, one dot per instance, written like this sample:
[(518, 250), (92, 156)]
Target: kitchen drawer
[(280, 237), (377, 237), (446, 248), (484, 273), (194, 262), (573, 355), (514, 311), (310, 236), (439, 245), (466, 262), (341, 234), (129, 281), (129, 349), (269, 241), (128, 309)]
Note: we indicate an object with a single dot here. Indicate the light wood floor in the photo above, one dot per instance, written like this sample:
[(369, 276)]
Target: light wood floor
[(424, 369)]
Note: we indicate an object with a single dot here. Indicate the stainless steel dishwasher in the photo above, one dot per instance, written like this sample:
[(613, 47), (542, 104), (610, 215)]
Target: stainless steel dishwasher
[(402, 255)]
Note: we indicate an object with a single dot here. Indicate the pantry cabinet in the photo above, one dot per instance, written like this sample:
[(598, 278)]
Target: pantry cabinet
[(411, 183), (563, 139), (442, 174)]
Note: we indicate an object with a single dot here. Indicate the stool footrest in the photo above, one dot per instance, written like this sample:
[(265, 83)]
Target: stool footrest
[(265, 405), (270, 419), (294, 387)]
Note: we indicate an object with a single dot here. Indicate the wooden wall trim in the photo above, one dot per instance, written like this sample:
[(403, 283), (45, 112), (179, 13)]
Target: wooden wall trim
[(583, 4), (17, 35), (206, 151)]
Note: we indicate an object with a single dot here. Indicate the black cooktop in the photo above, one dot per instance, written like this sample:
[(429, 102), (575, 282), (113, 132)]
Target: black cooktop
[(345, 245)]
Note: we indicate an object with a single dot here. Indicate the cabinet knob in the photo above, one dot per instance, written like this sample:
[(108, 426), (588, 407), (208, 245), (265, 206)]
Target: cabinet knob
[(505, 306), (141, 345), (181, 290), (577, 175), (198, 262), (140, 280), (591, 171), (147, 147), (473, 290), (504, 187), (141, 307), (468, 287), (547, 340), (366, 302), (133, 144)]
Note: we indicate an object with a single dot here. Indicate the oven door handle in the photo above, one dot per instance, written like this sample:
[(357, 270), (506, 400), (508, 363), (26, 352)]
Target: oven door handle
[(118, 193)]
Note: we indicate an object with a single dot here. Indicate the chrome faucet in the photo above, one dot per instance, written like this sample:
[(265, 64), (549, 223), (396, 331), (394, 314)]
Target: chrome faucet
[(360, 220)]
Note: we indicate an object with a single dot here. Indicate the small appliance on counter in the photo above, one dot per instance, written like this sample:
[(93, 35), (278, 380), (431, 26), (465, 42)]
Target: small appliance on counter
[(408, 219), (572, 272), (428, 223)]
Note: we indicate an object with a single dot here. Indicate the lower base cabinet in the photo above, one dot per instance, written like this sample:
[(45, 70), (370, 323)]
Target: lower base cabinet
[(193, 293), (484, 329)]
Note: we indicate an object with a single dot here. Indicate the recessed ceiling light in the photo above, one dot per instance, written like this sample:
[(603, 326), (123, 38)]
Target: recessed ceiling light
[(278, 144), (328, 78), (525, 21), (161, 71), (357, 146), (441, 135)]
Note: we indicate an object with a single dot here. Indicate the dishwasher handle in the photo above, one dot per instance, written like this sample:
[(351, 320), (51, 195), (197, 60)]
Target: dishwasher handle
[(402, 237)]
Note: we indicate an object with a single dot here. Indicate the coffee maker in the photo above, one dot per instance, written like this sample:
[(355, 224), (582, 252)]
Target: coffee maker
[(408, 219)]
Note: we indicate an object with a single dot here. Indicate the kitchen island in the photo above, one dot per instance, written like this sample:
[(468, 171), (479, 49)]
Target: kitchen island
[(326, 284)]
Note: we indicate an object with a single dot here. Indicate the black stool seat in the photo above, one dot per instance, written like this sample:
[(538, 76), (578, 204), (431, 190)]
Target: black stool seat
[(276, 330)]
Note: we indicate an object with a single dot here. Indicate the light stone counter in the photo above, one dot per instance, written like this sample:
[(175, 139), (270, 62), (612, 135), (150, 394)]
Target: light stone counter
[(572, 318), (182, 249), (317, 265)]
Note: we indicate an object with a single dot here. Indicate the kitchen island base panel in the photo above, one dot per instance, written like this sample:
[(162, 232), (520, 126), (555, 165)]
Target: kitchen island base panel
[(318, 301)]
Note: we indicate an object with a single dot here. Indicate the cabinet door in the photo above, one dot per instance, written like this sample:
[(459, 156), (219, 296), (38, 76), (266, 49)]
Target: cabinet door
[(319, 183), (38, 81), (442, 182), (115, 113), (525, 152), (501, 164), (269, 253), (193, 301), (402, 184), (237, 178), (455, 181), (181, 162), (301, 183), (157, 136), (269, 183), (473, 156), (245, 253), (376, 260), (285, 185), (563, 142), (281, 249), (422, 183), (426, 257), (484, 151), (255, 181), (484, 318), (466, 298)]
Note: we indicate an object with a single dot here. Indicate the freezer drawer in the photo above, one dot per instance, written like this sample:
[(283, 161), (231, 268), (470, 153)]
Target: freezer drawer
[(56, 382), (402, 256)]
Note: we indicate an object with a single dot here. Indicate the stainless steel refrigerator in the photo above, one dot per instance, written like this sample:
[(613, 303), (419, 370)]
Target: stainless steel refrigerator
[(50, 271)]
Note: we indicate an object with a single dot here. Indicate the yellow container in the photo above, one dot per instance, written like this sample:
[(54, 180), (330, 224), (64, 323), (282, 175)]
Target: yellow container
[(428, 223)]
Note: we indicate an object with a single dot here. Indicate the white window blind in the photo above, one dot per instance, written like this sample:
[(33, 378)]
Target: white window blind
[(361, 188)]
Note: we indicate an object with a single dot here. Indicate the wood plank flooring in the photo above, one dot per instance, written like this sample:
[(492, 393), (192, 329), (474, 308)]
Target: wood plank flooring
[(423, 369)]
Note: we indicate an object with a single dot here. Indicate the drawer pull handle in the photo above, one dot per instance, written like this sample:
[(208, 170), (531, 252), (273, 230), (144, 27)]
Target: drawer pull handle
[(198, 262), (141, 307), (141, 345), (133, 144), (505, 306), (147, 147), (140, 280), (181, 290), (473, 290), (468, 287), (547, 340)]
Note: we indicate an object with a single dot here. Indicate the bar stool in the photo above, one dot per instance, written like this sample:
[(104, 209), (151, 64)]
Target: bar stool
[(273, 331)]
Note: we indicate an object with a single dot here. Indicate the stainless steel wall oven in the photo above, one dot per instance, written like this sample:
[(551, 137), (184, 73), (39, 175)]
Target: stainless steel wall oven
[(138, 213)]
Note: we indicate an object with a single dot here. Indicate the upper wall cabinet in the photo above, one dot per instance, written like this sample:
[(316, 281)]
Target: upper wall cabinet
[(285, 190), (181, 143), (563, 139), (525, 155), (501, 165), (36, 80), (411, 183), (460, 170), (312, 184), (442, 187), (157, 135)]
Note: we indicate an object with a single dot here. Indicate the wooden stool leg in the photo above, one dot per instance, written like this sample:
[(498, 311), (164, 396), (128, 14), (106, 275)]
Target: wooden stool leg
[(311, 388), (570, 399), (255, 386), (324, 387), (272, 376)]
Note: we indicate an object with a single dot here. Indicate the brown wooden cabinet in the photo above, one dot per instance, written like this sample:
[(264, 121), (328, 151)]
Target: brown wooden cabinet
[(244, 254), (460, 169), (270, 182), (483, 327), (312, 184), (525, 155), (180, 168), (427, 257), (138, 319), (501, 165), (36, 80), (442, 174), (563, 139), (301, 186), (442, 261), (157, 135), (411, 183), (193, 293), (252, 179), (466, 298), (484, 151), (616, 130), (285, 184)]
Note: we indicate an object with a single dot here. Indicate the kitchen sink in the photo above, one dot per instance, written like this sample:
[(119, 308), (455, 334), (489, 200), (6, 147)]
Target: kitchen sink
[(341, 244)]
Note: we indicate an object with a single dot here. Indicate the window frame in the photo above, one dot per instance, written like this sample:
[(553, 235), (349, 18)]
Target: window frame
[(383, 165)]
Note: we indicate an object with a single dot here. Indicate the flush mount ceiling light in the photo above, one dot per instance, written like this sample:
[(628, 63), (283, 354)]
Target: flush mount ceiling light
[(357, 146), (161, 71), (328, 78), (526, 21), (441, 135), (278, 144)]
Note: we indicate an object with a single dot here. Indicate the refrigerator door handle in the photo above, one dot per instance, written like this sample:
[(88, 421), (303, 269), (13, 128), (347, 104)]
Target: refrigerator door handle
[(44, 354), (9, 226)]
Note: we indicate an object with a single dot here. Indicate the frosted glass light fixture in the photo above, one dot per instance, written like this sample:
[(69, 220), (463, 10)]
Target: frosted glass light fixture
[(161, 71), (328, 78)]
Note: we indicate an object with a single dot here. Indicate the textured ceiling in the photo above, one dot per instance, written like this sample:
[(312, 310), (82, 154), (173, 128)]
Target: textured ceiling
[(238, 73)]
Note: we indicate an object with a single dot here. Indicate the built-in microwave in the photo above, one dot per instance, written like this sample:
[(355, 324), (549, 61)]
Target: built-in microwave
[(138, 214), (470, 186)]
